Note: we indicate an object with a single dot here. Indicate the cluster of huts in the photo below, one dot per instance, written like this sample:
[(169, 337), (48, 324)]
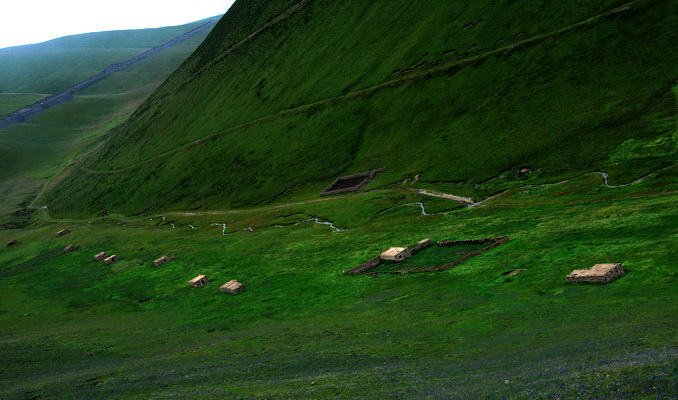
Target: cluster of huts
[(232, 287), (599, 273)]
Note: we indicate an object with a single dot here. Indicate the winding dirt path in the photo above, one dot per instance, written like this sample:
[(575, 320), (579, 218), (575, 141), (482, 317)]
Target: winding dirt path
[(426, 192)]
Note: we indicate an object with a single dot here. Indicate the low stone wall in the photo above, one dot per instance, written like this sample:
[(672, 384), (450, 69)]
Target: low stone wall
[(473, 241), (364, 267), (421, 246)]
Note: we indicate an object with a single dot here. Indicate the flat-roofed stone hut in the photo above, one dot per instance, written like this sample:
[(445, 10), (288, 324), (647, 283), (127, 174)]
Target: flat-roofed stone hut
[(100, 256), (63, 232), (396, 254), (198, 281), (162, 261), (232, 287), (69, 249), (601, 273), (111, 260)]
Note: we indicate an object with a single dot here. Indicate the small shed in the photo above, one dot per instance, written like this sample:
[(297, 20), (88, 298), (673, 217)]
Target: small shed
[(69, 249), (162, 261), (601, 273), (198, 281), (425, 243), (63, 232), (100, 256), (111, 260), (12, 243), (396, 254), (232, 287), (515, 272)]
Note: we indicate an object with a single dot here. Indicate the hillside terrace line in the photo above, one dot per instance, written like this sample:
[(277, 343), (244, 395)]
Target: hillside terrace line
[(122, 218), (430, 73)]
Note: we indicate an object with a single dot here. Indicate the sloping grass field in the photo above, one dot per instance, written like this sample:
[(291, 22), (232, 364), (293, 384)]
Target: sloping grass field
[(557, 119), (73, 327), (34, 153), (455, 92)]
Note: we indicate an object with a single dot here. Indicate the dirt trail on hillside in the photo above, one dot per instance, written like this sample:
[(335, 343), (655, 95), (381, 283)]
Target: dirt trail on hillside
[(426, 192), (67, 95)]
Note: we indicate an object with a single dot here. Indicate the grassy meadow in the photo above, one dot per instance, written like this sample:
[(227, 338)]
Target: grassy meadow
[(74, 327), (523, 106)]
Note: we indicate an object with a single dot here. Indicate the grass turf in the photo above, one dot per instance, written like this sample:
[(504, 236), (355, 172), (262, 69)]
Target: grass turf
[(73, 326)]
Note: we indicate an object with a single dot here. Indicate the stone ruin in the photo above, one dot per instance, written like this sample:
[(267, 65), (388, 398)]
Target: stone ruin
[(232, 287), (599, 273), (12, 243), (63, 232)]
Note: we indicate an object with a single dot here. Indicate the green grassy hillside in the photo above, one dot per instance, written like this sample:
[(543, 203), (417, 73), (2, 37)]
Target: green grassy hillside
[(71, 327), (55, 65), (34, 153), (285, 96), (220, 166)]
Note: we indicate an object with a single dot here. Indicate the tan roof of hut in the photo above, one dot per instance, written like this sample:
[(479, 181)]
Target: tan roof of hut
[(602, 273), (111, 260), (200, 280), (63, 232), (69, 248), (515, 272), (395, 254), (232, 287), (100, 256)]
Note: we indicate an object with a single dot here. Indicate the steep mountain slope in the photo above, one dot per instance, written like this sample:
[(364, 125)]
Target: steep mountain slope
[(34, 152), (285, 96)]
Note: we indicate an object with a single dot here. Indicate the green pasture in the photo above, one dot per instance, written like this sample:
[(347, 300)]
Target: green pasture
[(74, 327)]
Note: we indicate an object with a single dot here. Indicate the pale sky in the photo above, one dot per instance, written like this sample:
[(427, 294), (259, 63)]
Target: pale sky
[(34, 21)]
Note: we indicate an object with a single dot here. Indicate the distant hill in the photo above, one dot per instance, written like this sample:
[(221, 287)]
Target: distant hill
[(55, 65), (284, 96), (35, 151)]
